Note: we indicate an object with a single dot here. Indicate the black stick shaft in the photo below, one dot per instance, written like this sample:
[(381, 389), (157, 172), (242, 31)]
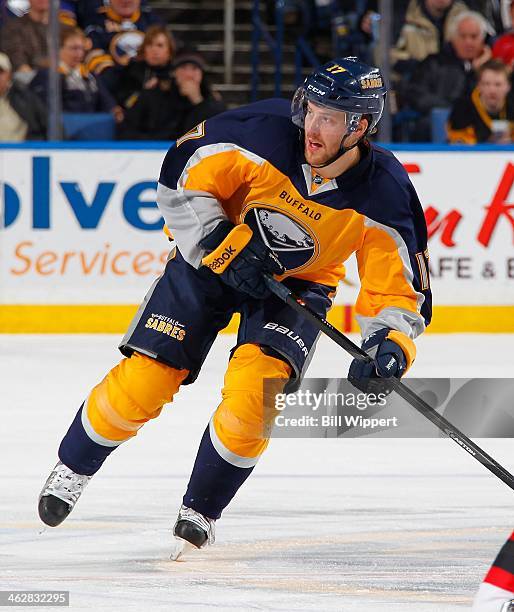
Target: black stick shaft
[(403, 390)]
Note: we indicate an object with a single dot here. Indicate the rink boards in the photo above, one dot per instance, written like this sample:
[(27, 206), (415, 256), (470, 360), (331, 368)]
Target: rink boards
[(81, 239)]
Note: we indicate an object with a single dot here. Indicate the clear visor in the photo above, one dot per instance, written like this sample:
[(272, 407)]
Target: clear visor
[(299, 110)]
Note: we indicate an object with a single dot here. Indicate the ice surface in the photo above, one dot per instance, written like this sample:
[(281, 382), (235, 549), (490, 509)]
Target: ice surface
[(351, 525)]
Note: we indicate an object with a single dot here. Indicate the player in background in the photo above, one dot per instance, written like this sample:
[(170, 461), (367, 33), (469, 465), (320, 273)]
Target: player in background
[(286, 189), (496, 593)]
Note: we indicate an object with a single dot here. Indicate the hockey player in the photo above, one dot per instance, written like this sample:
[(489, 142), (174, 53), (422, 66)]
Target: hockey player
[(496, 593), (291, 190)]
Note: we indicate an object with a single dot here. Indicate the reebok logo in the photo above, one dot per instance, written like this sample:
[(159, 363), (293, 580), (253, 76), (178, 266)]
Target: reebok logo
[(220, 261)]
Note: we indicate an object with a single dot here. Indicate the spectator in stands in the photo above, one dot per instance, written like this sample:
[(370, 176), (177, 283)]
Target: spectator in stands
[(445, 76), (200, 101), (116, 32), (152, 63), (503, 48), (487, 115), (425, 31), (173, 106), (81, 92), (22, 114), (24, 40)]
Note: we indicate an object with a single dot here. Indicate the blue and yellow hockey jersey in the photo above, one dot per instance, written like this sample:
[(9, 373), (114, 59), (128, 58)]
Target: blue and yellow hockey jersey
[(247, 165)]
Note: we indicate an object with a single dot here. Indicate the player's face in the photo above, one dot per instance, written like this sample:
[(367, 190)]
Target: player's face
[(324, 131)]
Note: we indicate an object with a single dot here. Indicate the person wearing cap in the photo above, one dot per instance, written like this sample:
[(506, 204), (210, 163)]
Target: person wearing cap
[(170, 106), (193, 85), (22, 114)]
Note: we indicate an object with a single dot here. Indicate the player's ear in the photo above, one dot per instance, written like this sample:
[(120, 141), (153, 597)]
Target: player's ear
[(363, 125)]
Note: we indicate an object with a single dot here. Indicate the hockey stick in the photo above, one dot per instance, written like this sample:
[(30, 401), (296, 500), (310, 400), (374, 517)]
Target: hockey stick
[(407, 394)]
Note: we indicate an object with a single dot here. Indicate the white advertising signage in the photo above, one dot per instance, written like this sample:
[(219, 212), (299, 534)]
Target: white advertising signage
[(80, 226)]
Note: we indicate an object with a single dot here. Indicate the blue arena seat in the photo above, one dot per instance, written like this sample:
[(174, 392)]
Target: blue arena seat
[(88, 126)]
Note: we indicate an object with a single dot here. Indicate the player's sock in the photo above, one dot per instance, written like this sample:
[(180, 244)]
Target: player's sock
[(214, 481), (80, 452)]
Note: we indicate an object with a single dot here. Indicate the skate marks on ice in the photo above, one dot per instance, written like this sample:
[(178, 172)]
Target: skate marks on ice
[(120, 564), (413, 566)]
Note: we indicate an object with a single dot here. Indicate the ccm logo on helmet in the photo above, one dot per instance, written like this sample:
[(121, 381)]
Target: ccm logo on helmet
[(227, 254), (316, 90)]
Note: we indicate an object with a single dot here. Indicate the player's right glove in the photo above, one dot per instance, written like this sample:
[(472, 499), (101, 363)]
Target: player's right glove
[(392, 353), (240, 258)]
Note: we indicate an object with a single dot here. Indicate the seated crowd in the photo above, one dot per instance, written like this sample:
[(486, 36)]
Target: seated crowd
[(438, 49), (117, 57)]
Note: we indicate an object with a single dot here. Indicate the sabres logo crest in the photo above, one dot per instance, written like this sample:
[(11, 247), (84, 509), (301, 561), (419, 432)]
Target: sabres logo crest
[(290, 240)]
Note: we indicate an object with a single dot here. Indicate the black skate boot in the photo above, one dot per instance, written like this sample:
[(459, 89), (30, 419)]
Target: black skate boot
[(192, 530), (60, 494)]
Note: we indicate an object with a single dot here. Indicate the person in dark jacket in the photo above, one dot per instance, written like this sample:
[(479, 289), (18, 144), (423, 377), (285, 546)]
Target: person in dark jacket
[(22, 114), (200, 101), (81, 91), (174, 105), (487, 115), (445, 76), (152, 64)]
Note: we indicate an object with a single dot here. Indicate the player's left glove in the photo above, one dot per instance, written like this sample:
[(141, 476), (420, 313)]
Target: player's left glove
[(240, 258), (392, 352)]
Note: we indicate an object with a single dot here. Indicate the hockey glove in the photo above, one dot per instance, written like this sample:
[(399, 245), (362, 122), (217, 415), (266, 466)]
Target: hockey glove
[(240, 258), (392, 352)]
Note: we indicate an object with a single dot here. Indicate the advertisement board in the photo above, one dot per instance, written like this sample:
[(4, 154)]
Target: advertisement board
[(81, 237)]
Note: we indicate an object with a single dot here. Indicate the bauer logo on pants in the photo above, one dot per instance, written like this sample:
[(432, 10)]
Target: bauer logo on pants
[(289, 333)]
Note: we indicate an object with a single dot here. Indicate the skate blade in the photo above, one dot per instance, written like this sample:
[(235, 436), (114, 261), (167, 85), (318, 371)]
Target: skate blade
[(180, 547)]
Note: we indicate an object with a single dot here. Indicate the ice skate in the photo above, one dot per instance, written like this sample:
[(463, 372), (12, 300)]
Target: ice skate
[(60, 494), (192, 531)]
